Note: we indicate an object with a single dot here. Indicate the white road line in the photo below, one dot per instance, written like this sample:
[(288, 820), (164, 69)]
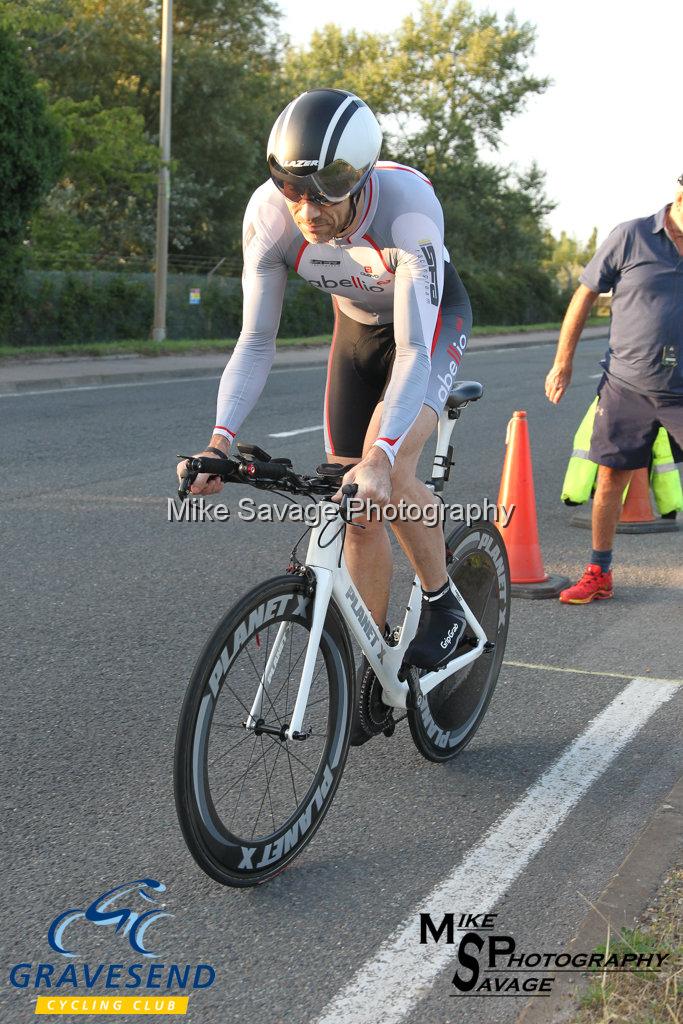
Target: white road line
[(594, 376), (143, 383), (402, 971), (301, 430)]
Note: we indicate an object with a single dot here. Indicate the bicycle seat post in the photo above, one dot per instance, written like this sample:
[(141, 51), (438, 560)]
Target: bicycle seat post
[(462, 394)]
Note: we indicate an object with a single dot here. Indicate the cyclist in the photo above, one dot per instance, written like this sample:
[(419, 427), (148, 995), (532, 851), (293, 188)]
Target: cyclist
[(370, 234)]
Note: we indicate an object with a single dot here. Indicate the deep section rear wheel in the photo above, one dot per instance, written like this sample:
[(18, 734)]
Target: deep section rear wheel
[(451, 713), (248, 800)]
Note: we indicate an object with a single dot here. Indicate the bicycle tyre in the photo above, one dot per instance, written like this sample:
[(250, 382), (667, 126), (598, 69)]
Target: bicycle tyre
[(222, 854), (451, 713)]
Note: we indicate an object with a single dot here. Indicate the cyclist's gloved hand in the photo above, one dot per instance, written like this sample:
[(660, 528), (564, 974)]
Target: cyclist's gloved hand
[(204, 483)]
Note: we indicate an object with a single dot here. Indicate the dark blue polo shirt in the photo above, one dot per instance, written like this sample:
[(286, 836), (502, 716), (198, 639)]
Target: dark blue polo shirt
[(641, 264)]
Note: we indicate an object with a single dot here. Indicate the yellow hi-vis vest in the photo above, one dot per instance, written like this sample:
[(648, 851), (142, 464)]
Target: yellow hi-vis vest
[(579, 480)]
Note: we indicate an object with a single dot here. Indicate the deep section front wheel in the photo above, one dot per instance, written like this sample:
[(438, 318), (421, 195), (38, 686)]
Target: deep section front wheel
[(450, 714), (248, 799)]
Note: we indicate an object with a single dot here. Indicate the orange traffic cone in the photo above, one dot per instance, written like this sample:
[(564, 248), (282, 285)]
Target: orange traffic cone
[(529, 578), (637, 507)]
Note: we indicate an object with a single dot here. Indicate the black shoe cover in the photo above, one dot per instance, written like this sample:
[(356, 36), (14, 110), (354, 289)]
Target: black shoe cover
[(440, 630)]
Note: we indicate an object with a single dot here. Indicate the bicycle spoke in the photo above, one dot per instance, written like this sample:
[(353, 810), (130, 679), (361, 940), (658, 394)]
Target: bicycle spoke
[(486, 602), (272, 812), (241, 703), (253, 831), (287, 682), (266, 794), (290, 754), (242, 777), (225, 754), (264, 690)]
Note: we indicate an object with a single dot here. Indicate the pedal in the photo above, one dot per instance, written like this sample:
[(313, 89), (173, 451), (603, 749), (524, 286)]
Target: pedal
[(469, 641), (415, 697)]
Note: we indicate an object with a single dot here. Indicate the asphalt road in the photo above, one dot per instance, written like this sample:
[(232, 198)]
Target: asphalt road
[(105, 607)]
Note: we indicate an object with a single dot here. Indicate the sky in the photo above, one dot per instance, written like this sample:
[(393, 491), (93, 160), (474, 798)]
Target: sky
[(608, 132)]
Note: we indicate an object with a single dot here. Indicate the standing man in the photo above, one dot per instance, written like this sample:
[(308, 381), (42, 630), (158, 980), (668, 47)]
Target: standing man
[(642, 387)]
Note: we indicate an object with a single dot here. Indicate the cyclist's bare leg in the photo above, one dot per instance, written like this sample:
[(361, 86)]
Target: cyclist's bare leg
[(423, 544), (368, 558), (368, 552)]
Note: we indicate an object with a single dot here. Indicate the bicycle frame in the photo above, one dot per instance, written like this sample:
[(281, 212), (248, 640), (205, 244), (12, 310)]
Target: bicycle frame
[(334, 581)]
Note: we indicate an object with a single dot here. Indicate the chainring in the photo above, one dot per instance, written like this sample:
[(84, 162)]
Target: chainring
[(374, 716)]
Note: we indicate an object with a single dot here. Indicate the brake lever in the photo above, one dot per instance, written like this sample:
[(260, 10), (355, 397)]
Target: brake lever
[(188, 479), (348, 491)]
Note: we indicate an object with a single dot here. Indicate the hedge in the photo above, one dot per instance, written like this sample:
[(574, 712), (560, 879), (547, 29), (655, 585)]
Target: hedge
[(53, 307)]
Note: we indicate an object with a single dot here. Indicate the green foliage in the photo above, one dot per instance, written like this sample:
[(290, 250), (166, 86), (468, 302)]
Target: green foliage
[(104, 202), (522, 295), (450, 78), (568, 256), (54, 308), (444, 84), (30, 156), (225, 96)]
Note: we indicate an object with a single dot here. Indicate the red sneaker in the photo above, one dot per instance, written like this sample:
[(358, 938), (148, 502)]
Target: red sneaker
[(594, 585)]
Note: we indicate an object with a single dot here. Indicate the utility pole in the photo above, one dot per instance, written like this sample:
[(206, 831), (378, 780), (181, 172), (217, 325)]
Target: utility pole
[(164, 191)]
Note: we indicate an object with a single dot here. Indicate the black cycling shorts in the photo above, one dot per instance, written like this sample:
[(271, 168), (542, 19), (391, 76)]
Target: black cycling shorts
[(359, 370)]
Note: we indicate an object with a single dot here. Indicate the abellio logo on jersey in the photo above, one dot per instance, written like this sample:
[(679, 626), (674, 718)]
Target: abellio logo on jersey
[(80, 987), (455, 351), (344, 282)]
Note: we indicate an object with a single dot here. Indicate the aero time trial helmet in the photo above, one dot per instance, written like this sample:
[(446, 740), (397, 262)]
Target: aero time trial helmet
[(323, 146)]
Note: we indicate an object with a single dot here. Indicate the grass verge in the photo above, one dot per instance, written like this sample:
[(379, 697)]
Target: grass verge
[(643, 997), (137, 347)]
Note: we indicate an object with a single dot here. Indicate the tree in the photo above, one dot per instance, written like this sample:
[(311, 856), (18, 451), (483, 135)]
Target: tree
[(226, 92), (444, 85), (568, 256), (450, 78), (104, 201), (30, 155)]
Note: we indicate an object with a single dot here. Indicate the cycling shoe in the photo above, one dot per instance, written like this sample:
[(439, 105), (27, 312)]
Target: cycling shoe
[(440, 629)]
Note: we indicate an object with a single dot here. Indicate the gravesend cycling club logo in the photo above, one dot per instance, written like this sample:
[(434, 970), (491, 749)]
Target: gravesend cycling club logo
[(103, 912), (490, 964), (130, 914)]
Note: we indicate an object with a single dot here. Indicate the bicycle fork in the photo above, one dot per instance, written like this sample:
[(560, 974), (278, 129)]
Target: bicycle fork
[(294, 731)]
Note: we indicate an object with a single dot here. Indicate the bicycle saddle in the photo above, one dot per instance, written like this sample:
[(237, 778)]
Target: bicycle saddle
[(463, 392)]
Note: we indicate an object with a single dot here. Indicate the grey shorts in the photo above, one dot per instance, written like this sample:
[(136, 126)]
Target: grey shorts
[(627, 423)]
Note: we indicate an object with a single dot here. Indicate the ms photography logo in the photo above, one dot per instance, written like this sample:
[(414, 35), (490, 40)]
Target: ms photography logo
[(491, 966), (103, 988)]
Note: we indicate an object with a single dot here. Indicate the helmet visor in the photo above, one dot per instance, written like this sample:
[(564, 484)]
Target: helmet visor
[(331, 184)]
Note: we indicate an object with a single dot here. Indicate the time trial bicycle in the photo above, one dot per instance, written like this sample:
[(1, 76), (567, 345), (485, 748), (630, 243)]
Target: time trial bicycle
[(264, 729)]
